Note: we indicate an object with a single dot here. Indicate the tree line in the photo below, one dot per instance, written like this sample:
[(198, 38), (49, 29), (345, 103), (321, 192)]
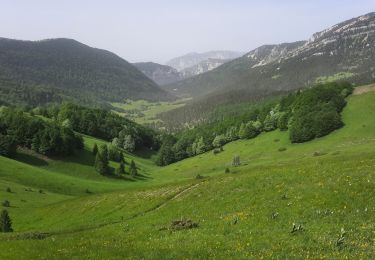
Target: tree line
[(18, 128), (308, 114), (104, 124)]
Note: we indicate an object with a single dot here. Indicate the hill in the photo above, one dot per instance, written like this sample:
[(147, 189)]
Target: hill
[(35, 72), (161, 74), (344, 51), (313, 199)]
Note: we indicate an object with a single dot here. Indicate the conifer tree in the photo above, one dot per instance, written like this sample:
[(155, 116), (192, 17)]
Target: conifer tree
[(5, 222), (133, 169), (121, 169)]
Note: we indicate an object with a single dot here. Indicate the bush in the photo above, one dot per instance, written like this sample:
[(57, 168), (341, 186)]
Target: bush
[(282, 149), (5, 203)]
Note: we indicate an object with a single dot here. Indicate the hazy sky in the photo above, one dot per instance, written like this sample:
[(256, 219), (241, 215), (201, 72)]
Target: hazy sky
[(158, 30)]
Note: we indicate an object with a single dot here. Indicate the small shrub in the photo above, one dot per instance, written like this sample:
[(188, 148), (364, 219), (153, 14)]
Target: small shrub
[(227, 170), (6, 203), (88, 191), (216, 151), (183, 224), (236, 161), (341, 239), (318, 153), (199, 177), (41, 191), (296, 228), (8, 190), (282, 149), (276, 140)]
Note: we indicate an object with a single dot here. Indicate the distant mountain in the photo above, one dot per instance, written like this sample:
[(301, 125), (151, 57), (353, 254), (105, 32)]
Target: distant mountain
[(343, 52), (34, 72), (192, 59), (161, 74), (202, 67)]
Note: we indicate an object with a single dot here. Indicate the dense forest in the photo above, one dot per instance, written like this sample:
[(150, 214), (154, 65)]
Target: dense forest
[(38, 72), (18, 128)]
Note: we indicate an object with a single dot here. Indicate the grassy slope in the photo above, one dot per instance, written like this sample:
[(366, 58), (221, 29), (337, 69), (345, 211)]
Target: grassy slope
[(144, 112), (332, 190)]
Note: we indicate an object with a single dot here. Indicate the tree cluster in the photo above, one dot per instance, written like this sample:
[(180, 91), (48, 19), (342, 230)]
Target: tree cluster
[(18, 128)]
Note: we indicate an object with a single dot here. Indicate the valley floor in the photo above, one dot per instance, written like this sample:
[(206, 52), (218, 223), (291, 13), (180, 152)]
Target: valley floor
[(62, 209)]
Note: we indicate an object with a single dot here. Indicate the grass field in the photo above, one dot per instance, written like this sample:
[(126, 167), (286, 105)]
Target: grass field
[(144, 112), (326, 186)]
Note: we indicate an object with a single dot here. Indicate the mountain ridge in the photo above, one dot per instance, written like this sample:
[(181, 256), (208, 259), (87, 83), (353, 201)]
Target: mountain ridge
[(71, 69), (343, 49)]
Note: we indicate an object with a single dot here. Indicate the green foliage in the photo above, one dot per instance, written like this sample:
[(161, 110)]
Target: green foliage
[(316, 111), (166, 154), (5, 203), (133, 169), (121, 169), (219, 141), (101, 161), (109, 126), (5, 222), (199, 146), (236, 160), (45, 137), (282, 122), (8, 145), (95, 149)]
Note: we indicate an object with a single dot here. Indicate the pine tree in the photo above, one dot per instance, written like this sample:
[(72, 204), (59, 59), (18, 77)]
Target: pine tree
[(101, 164), (121, 169), (5, 222), (133, 169), (95, 149), (104, 154)]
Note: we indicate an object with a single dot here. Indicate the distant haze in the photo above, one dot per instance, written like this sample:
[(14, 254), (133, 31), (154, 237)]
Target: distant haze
[(161, 30)]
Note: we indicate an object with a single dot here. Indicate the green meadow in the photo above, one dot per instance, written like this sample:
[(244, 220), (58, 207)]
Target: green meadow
[(63, 209), (145, 112)]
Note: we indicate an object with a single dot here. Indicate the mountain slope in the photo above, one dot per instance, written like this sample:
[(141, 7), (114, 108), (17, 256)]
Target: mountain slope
[(192, 59), (345, 50), (203, 67), (63, 68), (161, 74)]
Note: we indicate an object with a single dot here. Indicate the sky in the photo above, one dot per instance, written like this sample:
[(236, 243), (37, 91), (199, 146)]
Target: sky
[(158, 30)]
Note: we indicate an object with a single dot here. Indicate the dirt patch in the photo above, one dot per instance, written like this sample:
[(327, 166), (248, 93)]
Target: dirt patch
[(364, 89)]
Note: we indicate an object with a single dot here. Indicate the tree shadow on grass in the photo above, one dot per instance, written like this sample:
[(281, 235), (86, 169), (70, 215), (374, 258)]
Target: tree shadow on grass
[(142, 177), (30, 159), (83, 157), (144, 153)]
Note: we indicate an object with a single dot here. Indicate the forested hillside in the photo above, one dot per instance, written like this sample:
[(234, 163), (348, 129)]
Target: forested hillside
[(59, 69)]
